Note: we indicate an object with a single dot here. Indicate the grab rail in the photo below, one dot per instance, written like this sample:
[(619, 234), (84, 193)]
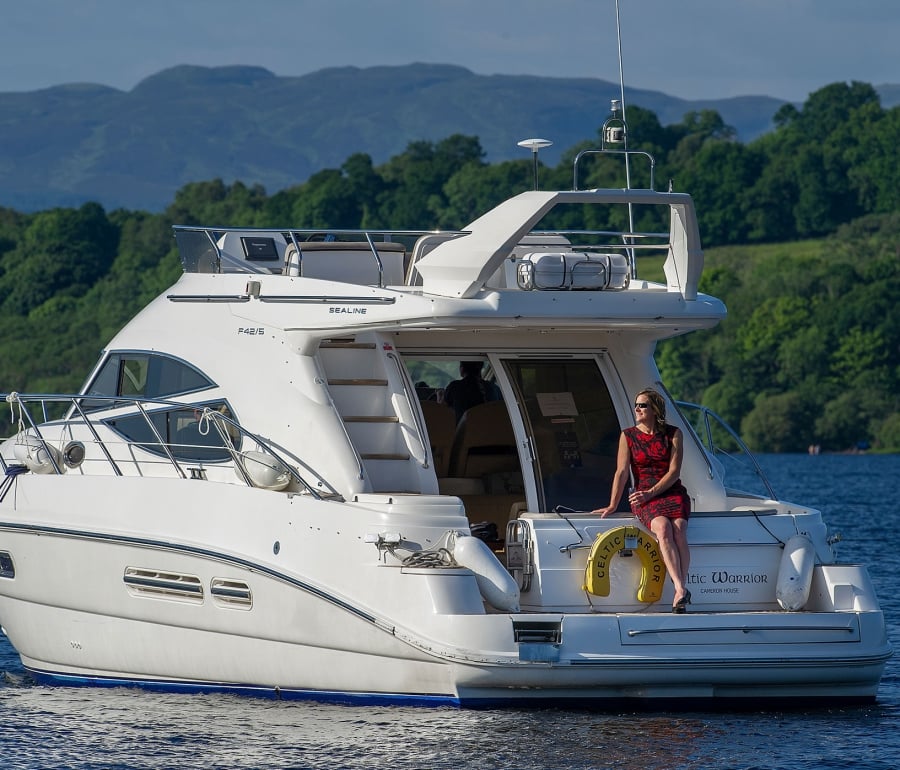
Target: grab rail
[(704, 427), (408, 389), (200, 250), (75, 414)]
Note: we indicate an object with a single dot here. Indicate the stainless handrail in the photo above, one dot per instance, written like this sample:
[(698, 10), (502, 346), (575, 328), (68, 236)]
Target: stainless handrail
[(76, 409), (377, 261), (626, 153), (218, 419), (708, 416), (296, 237), (408, 389), (162, 443), (16, 398), (97, 439)]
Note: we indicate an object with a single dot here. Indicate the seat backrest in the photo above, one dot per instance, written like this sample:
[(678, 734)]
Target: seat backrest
[(484, 442), (347, 261), (440, 422)]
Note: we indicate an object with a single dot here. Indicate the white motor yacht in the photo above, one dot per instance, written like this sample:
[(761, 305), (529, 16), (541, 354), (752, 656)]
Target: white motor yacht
[(259, 491)]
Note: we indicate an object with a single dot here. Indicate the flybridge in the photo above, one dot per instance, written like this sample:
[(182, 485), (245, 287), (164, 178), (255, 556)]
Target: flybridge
[(503, 249)]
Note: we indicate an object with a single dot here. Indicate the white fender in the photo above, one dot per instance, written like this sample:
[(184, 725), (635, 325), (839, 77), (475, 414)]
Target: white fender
[(795, 573), (497, 586), (35, 455), (264, 470)]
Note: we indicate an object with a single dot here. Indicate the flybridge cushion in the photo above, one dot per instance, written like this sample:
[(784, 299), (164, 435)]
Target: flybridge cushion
[(578, 270), (348, 261)]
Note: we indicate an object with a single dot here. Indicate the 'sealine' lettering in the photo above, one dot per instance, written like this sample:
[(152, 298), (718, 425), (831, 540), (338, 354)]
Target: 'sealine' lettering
[(354, 310)]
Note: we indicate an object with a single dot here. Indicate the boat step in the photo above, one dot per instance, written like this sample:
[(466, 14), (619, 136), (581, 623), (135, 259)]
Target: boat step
[(537, 631), (385, 456), (359, 381), (372, 418)]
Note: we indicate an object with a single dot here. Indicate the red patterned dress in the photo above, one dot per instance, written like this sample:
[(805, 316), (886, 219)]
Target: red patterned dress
[(651, 454)]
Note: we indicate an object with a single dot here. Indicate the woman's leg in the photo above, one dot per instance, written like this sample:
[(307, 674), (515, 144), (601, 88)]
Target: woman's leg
[(664, 531), (681, 543)]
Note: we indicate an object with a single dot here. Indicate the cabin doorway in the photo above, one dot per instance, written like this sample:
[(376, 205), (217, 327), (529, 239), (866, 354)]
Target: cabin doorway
[(550, 438)]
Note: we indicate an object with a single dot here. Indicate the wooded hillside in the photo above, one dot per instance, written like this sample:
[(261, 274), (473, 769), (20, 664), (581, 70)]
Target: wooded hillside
[(810, 352)]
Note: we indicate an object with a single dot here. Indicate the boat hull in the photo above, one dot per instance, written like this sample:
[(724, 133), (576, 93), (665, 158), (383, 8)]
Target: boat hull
[(89, 606)]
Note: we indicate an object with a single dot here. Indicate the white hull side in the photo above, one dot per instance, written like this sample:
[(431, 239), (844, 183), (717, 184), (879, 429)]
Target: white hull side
[(378, 632)]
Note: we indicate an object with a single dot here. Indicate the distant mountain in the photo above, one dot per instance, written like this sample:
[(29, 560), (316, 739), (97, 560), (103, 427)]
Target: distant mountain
[(69, 144)]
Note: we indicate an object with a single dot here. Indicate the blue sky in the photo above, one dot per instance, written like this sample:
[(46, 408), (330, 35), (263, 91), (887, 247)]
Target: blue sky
[(686, 48)]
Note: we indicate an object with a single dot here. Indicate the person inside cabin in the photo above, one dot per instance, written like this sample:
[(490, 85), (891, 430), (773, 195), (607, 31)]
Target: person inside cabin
[(652, 451), (471, 389)]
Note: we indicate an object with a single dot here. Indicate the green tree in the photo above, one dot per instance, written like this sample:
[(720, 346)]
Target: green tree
[(860, 356), (326, 201), (776, 319), (887, 433), (852, 417), (214, 201), (873, 171), (718, 177), (779, 422), (414, 194), (473, 190), (60, 251)]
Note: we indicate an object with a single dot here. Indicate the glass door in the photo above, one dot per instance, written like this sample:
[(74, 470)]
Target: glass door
[(573, 428)]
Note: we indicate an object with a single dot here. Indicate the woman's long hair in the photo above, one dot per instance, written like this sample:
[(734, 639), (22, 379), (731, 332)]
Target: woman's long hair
[(657, 404)]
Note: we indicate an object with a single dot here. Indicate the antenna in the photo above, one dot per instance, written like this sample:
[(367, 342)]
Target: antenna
[(632, 257), (622, 105), (534, 145), (615, 130)]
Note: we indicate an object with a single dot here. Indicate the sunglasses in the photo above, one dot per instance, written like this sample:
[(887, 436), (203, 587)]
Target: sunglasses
[(642, 406)]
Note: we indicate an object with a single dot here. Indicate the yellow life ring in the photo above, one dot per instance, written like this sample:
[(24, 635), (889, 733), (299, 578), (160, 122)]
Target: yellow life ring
[(608, 544)]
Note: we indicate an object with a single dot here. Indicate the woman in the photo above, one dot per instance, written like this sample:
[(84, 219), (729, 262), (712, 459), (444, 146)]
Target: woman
[(653, 451)]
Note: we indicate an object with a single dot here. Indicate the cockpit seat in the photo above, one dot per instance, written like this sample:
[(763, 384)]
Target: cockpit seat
[(484, 442)]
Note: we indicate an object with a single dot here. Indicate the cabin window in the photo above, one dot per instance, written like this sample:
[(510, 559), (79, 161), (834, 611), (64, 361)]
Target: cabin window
[(144, 375), (181, 429)]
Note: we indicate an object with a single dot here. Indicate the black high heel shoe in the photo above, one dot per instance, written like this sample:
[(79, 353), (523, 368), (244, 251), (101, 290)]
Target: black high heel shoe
[(680, 607)]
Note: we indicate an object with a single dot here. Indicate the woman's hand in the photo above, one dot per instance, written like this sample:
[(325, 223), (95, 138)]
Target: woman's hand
[(639, 496), (604, 512)]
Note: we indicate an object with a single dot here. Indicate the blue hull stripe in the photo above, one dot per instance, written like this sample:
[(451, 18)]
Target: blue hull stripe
[(532, 700), (54, 679)]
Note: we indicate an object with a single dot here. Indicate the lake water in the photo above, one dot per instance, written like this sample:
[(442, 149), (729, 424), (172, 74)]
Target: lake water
[(87, 729)]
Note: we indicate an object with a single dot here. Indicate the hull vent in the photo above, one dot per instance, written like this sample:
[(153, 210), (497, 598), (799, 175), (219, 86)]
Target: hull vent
[(163, 585), (231, 593)]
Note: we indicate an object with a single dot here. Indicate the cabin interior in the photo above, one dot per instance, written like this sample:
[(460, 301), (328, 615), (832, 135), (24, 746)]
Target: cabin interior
[(549, 441)]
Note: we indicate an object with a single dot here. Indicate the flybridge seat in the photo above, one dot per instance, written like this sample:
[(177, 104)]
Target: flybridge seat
[(366, 262), (349, 261)]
